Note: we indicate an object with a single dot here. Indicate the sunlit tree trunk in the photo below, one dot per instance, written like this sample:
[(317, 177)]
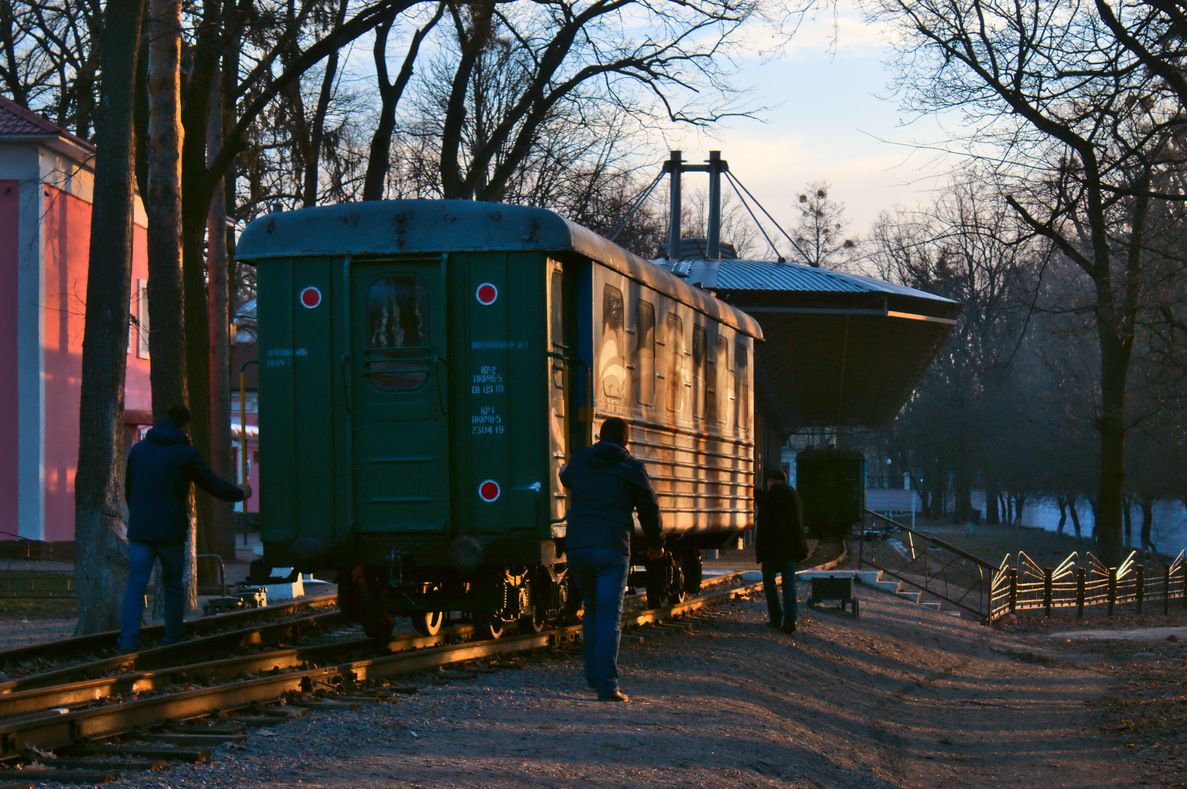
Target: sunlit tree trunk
[(223, 522), (167, 341), (101, 567)]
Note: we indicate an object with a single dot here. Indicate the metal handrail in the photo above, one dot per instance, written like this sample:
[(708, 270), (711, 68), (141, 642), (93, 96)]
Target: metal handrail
[(975, 577)]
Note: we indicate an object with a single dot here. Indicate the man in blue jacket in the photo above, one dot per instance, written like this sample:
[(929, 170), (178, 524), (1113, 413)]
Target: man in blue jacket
[(606, 485), (156, 488)]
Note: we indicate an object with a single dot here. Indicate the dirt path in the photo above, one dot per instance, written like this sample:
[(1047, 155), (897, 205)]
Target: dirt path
[(900, 697)]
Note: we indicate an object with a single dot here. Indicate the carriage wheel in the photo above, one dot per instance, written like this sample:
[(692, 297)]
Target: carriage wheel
[(533, 622), (488, 626), (428, 623)]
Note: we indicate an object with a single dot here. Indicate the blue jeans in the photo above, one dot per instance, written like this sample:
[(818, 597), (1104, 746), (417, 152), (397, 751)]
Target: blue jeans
[(141, 556), (785, 614), (600, 576)]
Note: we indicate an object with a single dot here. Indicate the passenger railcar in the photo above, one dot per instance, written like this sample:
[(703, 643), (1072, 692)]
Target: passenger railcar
[(427, 367)]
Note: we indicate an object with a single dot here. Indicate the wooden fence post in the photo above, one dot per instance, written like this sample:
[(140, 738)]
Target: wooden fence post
[(1013, 590), (1080, 579), (1166, 590), (1048, 589), (1140, 571), (1112, 589)]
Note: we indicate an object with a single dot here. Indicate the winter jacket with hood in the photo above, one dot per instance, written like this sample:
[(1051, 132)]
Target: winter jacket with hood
[(157, 484), (607, 485), (780, 530)]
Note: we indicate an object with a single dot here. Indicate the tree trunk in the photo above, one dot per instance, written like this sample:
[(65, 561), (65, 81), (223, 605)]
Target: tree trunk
[(318, 130), (1127, 519), (1061, 502), (1071, 508), (389, 95), (99, 531), (167, 341), (1147, 522), (992, 510), (1114, 364), (223, 515)]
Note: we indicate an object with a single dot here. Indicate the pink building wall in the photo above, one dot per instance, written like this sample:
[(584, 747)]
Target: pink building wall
[(9, 460), (66, 235)]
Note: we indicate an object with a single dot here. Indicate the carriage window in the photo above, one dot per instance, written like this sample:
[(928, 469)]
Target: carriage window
[(674, 347), (645, 352), (397, 354), (698, 370), (612, 359), (557, 294), (722, 368), (742, 385)]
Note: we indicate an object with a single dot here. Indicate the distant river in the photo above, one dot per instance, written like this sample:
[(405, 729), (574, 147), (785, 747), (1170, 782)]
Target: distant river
[(1169, 532)]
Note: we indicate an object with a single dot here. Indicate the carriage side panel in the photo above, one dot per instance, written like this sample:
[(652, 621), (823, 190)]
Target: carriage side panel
[(500, 442)]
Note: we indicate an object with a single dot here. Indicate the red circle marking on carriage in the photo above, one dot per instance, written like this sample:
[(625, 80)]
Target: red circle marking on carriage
[(310, 298), (487, 294), (489, 491)]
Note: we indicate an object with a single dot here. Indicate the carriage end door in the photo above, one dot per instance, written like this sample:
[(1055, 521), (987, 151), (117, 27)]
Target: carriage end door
[(398, 401)]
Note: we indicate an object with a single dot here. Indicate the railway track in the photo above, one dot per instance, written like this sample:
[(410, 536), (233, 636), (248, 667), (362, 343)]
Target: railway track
[(17, 660), (70, 720)]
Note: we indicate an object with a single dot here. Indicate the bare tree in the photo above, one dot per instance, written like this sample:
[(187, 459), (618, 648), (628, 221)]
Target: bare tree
[(1081, 129), (167, 340), (100, 534), (518, 67), (390, 93), (49, 58), (821, 227)]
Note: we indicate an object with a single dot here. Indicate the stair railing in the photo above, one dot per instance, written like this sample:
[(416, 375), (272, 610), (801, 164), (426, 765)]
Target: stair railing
[(929, 564)]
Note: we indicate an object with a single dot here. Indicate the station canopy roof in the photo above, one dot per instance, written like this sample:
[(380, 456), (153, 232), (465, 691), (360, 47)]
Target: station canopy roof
[(840, 349)]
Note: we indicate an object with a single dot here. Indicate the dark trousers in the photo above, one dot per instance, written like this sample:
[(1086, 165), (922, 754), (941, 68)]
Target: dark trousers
[(141, 556), (600, 576), (785, 614)]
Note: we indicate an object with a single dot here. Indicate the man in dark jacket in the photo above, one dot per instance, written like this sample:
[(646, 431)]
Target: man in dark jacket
[(156, 489), (780, 545), (606, 485)]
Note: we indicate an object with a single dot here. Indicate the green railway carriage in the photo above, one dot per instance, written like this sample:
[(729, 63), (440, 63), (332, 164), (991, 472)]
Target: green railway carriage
[(427, 367)]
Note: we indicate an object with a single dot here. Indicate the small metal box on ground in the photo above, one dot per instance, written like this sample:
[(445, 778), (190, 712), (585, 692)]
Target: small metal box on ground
[(834, 587)]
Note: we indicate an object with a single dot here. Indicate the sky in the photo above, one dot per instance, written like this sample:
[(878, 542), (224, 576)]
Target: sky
[(831, 118)]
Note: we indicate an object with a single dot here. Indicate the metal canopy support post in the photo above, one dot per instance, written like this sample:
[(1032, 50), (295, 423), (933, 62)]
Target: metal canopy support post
[(714, 229), (675, 167)]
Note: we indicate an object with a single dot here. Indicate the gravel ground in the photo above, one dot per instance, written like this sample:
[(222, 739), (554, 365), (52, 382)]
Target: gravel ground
[(17, 630), (903, 696)]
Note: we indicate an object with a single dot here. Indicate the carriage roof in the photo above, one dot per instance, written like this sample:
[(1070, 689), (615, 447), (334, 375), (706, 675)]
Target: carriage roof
[(402, 227)]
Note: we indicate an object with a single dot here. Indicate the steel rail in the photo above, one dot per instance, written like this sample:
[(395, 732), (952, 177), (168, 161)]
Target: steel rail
[(51, 730), (174, 654), (53, 650), (85, 691)]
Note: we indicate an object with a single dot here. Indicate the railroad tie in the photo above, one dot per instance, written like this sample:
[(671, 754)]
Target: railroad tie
[(31, 776), (191, 755)]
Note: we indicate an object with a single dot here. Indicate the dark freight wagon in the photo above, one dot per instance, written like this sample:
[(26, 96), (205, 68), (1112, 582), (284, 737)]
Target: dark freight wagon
[(427, 367)]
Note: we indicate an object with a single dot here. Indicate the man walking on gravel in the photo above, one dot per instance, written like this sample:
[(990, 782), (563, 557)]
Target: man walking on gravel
[(156, 488), (606, 485), (780, 545)]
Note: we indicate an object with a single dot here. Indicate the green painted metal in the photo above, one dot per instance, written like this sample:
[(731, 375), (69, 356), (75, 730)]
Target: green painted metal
[(427, 366), (367, 434)]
